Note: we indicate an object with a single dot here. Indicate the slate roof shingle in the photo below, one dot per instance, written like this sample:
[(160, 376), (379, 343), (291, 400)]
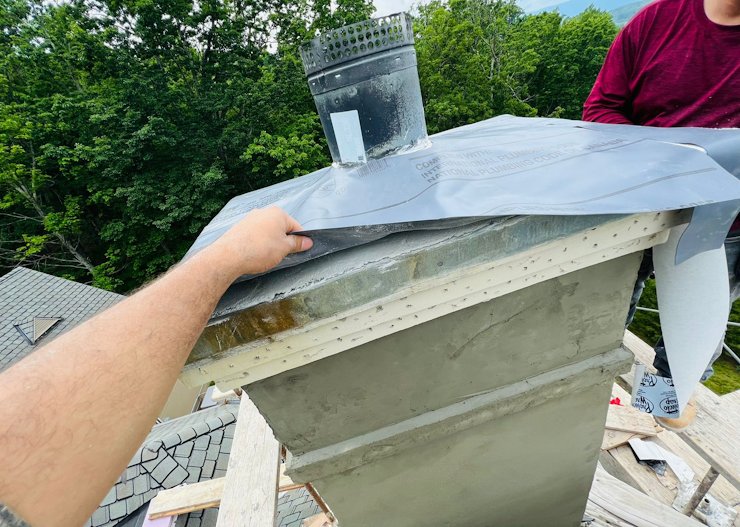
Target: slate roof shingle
[(26, 294), (189, 449)]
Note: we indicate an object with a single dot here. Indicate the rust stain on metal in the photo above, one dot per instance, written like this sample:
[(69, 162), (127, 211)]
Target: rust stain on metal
[(262, 321)]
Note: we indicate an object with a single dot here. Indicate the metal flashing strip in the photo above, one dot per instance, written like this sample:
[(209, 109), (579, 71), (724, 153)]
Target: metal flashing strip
[(23, 334), (425, 300), (513, 166)]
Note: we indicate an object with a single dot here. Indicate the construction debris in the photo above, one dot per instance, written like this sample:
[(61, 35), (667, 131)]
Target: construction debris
[(701, 480)]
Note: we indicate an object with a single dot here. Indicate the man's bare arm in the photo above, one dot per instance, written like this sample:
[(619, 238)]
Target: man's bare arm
[(74, 412)]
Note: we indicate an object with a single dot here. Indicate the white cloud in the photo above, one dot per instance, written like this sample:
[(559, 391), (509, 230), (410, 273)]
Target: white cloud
[(535, 5), (389, 7)]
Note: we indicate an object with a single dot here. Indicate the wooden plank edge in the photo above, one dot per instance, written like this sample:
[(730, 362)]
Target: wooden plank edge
[(163, 512), (318, 520), (629, 419), (628, 504), (616, 438), (186, 498), (185, 509), (250, 489)]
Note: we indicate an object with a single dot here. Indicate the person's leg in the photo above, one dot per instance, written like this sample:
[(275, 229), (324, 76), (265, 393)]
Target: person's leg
[(732, 251), (661, 360), (717, 352), (643, 273)]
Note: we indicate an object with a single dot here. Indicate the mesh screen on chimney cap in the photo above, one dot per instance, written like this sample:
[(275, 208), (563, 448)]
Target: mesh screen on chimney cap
[(357, 40)]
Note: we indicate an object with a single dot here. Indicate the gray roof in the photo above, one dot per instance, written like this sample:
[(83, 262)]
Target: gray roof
[(189, 449), (26, 294), (293, 507)]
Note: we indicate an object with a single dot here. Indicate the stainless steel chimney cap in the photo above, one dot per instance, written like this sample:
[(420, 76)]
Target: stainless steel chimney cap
[(357, 40)]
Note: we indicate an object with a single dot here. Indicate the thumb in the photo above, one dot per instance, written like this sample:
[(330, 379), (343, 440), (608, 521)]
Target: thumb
[(299, 243)]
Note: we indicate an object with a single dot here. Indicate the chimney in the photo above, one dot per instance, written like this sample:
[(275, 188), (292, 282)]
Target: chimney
[(365, 84)]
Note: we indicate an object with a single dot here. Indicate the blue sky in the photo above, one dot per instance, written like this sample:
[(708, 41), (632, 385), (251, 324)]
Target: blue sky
[(387, 7)]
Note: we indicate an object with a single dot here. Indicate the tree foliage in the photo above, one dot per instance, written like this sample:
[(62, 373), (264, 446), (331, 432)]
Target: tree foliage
[(480, 58), (125, 125)]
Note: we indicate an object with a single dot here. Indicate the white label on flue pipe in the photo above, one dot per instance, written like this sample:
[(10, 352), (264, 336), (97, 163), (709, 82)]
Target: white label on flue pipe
[(348, 134)]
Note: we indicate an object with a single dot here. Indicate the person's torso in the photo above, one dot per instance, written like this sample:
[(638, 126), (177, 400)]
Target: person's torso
[(686, 68)]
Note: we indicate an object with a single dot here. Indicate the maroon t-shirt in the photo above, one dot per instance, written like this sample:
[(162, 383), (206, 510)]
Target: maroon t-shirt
[(670, 66)]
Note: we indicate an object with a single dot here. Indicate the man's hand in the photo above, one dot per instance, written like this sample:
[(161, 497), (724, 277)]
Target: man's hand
[(259, 242)]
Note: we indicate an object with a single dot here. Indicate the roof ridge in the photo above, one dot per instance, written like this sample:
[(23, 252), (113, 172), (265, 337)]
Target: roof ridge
[(14, 271), (199, 429), (39, 274), (215, 408)]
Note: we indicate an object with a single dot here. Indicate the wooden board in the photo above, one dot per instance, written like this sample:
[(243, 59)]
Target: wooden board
[(188, 498), (732, 398), (642, 351), (624, 397), (250, 490), (319, 520), (600, 517), (718, 444), (629, 419), (609, 496), (166, 521), (199, 496), (615, 438), (621, 463)]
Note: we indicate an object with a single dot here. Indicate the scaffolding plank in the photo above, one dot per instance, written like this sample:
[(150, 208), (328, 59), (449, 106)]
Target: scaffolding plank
[(615, 438), (631, 507), (250, 490), (319, 520), (629, 419), (621, 462), (187, 498)]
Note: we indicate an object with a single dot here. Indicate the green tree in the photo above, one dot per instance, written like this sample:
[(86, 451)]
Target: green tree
[(482, 58), (572, 59), (44, 53), (459, 49), (125, 125)]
